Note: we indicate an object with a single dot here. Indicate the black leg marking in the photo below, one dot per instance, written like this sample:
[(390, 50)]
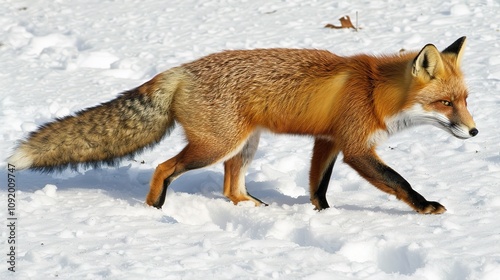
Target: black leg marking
[(320, 194), (400, 186), (161, 200), (265, 204), (389, 181)]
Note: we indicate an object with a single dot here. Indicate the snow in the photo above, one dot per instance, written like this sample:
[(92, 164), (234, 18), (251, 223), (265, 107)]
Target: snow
[(61, 56)]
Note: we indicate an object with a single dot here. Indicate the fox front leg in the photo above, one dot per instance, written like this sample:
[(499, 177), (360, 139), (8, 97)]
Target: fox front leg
[(386, 179), (324, 155)]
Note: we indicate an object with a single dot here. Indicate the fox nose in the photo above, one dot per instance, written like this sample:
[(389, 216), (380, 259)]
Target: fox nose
[(473, 132)]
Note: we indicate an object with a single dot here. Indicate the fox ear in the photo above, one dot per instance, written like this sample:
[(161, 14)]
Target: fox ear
[(456, 49), (427, 63)]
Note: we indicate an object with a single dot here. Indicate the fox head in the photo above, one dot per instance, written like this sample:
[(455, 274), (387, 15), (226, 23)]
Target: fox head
[(438, 94)]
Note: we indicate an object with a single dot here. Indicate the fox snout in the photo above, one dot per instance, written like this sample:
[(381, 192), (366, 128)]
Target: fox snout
[(463, 132), (462, 123)]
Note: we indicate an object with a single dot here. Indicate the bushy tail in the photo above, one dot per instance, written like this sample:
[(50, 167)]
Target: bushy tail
[(136, 119)]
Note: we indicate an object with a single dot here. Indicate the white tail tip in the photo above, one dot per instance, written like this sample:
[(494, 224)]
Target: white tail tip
[(20, 159)]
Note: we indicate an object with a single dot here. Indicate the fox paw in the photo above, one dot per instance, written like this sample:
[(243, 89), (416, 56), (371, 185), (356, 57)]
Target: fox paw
[(431, 207), (319, 203)]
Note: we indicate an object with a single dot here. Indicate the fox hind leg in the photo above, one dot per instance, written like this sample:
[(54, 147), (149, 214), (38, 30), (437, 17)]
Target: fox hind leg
[(166, 172), (196, 154), (235, 169), (160, 182)]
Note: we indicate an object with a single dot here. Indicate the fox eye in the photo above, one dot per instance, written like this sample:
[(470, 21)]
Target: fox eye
[(446, 103)]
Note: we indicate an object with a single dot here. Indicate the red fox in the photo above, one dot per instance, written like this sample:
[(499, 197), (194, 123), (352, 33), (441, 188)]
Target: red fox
[(224, 100)]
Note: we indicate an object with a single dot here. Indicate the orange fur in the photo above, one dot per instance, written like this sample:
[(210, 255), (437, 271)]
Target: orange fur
[(342, 101), (223, 101)]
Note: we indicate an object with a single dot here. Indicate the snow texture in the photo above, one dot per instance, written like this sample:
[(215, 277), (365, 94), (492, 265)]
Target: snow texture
[(58, 57)]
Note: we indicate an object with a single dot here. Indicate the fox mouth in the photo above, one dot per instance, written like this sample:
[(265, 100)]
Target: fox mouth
[(417, 116), (463, 132), (459, 131)]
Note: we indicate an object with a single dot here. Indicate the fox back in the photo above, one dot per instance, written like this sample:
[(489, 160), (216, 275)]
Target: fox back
[(315, 92)]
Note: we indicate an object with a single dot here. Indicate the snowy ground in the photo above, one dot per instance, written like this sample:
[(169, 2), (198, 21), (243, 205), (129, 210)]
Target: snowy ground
[(57, 57)]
